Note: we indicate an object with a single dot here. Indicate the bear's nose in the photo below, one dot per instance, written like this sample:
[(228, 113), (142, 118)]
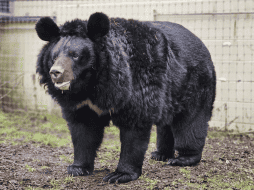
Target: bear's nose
[(55, 74)]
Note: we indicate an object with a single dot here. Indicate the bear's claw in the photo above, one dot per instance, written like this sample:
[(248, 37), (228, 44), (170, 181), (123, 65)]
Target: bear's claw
[(120, 177), (77, 171)]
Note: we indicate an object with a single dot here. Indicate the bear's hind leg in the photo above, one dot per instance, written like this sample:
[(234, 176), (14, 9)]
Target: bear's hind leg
[(190, 135), (165, 144)]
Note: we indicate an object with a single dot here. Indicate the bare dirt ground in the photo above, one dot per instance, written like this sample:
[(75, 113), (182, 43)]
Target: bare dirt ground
[(227, 163)]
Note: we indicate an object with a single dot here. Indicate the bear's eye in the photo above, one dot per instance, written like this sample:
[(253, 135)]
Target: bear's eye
[(75, 56)]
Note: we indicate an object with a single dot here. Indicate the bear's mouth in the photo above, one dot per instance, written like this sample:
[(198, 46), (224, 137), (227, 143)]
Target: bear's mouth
[(63, 85)]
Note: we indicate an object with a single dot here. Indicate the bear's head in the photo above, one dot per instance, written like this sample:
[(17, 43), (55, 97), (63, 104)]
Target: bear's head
[(70, 53)]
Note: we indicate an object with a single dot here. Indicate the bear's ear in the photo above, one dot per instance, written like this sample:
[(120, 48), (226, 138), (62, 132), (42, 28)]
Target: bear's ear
[(47, 29), (97, 26)]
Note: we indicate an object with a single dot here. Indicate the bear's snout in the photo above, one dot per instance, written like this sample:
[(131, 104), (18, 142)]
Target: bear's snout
[(61, 73), (56, 73), (60, 77)]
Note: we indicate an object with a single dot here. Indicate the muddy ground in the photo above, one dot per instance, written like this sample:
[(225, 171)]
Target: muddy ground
[(227, 163)]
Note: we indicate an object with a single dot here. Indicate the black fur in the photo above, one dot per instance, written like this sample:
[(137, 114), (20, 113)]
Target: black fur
[(137, 74), (47, 29), (98, 26)]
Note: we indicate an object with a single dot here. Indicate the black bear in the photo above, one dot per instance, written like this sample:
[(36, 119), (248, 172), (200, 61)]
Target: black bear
[(136, 74)]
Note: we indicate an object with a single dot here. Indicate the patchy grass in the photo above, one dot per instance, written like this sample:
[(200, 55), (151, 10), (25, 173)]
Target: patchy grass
[(20, 129), (36, 150)]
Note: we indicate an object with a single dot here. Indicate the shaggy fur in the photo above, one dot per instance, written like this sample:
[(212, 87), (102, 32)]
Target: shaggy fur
[(136, 74)]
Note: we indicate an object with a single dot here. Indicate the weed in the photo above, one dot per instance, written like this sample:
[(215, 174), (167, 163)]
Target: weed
[(29, 168), (185, 172)]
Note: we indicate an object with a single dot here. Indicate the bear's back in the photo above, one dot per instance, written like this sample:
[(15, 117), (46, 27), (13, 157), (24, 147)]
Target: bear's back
[(145, 39)]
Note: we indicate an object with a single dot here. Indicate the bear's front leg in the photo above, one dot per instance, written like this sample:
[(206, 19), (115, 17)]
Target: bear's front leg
[(134, 145), (87, 133), (86, 140)]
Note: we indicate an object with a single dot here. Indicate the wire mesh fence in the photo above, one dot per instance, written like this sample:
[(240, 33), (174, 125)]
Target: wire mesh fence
[(226, 27)]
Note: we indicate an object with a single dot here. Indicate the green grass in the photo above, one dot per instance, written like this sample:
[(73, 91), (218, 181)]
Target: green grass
[(150, 183), (185, 172), (19, 129), (29, 168), (112, 129)]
